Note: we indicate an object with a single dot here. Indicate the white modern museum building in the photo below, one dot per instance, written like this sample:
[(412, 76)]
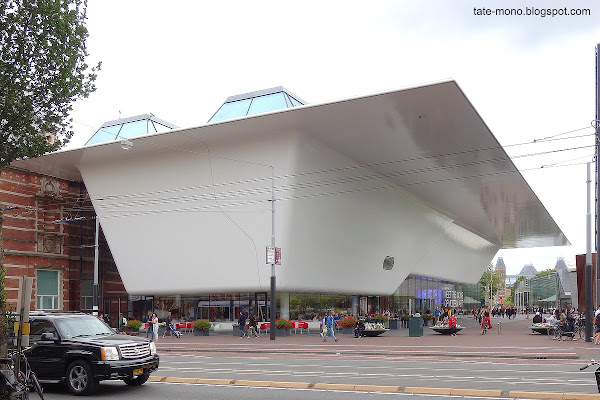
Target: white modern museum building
[(369, 192)]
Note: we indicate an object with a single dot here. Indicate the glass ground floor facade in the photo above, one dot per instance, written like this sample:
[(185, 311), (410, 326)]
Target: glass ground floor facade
[(416, 293), (544, 291)]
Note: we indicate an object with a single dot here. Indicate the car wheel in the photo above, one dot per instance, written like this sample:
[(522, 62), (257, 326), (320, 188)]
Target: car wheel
[(138, 380), (80, 378)]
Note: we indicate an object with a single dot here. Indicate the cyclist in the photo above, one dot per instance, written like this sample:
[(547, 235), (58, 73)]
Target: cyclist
[(486, 322)]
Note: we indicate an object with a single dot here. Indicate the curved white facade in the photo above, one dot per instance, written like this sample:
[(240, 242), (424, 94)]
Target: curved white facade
[(414, 174)]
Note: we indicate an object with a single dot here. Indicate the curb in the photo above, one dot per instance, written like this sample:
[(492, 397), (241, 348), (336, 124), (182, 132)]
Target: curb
[(375, 388)]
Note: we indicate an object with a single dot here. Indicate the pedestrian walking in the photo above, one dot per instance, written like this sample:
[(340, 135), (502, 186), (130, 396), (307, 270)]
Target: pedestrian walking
[(252, 326), (150, 327), (330, 327), (242, 324), (168, 327), (155, 327)]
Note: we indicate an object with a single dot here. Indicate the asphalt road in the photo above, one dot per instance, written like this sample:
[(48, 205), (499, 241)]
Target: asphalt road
[(162, 391), (465, 374), (558, 377)]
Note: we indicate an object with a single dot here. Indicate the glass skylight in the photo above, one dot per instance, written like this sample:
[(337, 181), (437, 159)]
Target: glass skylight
[(267, 100), (125, 128)]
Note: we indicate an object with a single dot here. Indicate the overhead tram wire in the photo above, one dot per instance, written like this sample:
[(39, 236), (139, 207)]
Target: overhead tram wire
[(75, 197), (231, 195), (537, 141), (253, 180), (132, 213), (337, 169), (305, 185)]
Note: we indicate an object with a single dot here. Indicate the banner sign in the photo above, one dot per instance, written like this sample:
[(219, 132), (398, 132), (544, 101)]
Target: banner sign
[(453, 299)]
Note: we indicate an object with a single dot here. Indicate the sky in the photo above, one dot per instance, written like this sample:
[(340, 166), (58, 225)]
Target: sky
[(530, 77)]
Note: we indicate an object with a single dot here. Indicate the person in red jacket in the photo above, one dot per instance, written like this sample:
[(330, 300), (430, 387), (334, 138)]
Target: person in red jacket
[(452, 324)]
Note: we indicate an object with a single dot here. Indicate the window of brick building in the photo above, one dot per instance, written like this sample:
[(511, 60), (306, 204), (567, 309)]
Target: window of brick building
[(47, 290)]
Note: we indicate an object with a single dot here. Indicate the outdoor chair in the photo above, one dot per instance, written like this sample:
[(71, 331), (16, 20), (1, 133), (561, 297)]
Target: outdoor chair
[(264, 327), (303, 325)]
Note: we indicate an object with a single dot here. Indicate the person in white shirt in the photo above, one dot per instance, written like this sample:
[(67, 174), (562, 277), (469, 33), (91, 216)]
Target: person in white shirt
[(552, 319)]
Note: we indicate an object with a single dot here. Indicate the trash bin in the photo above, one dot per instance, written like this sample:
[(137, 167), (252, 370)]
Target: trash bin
[(415, 327)]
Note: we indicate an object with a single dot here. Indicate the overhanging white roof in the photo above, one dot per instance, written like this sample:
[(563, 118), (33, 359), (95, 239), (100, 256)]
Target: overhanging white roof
[(427, 140)]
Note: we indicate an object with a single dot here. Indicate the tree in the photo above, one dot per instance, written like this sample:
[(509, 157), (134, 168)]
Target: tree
[(484, 282), (42, 73), (546, 272)]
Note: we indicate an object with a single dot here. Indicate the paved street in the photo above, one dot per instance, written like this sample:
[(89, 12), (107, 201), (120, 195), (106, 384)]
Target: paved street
[(162, 391), (370, 371), (509, 361)]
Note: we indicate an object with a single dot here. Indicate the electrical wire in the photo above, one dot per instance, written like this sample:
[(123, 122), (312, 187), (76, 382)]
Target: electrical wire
[(282, 188), (132, 213), (549, 138), (234, 195)]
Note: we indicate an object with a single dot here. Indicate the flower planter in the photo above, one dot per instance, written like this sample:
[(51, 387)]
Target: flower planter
[(395, 324), (348, 330), (198, 332), (543, 331), (444, 330), (282, 332), (237, 332), (132, 331), (373, 332)]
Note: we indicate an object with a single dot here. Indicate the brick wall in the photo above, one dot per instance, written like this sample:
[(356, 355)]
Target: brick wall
[(33, 240)]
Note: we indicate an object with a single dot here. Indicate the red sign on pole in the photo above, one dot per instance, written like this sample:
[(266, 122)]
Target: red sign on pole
[(278, 255)]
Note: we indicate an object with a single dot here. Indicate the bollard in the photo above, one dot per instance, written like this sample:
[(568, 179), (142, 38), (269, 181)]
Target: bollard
[(499, 327)]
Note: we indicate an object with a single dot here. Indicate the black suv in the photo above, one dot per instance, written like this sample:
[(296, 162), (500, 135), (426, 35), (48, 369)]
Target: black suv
[(82, 350)]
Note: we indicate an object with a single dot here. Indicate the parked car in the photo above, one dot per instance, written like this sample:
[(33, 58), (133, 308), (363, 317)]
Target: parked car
[(82, 350)]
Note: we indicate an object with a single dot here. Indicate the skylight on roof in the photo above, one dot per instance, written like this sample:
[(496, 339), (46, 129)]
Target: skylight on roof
[(277, 98), (131, 127)]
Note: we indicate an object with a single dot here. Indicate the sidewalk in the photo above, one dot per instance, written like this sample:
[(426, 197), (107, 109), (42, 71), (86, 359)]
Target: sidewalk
[(509, 339)]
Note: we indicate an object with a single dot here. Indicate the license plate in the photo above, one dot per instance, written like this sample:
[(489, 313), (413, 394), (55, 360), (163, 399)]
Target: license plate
[(138, 371)]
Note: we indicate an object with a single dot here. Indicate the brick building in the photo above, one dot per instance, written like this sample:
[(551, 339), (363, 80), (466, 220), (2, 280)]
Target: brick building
[(58, 255)]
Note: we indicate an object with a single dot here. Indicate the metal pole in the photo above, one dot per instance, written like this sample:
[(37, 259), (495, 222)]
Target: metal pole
[(273, 291), (597, 126), (95, 292), (588, 261)]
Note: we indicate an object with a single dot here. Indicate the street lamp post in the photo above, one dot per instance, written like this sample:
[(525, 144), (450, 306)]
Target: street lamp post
[(273, 279), (96, 287)]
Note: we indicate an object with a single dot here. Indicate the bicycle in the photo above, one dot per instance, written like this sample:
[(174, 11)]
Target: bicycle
[(558, 332), (485, 325), (16, 377), (24, 375), (597, 372), (553, 332), (580, 327)]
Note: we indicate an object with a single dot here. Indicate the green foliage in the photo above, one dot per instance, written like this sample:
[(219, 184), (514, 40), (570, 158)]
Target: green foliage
[(42, 73), (548, 271), (133, 323), (510, 301), (201, 325), (295, 302), (493, 277), (381, 318)]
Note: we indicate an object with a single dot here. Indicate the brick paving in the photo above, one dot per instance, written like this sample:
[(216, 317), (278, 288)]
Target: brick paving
[(512, 341)]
